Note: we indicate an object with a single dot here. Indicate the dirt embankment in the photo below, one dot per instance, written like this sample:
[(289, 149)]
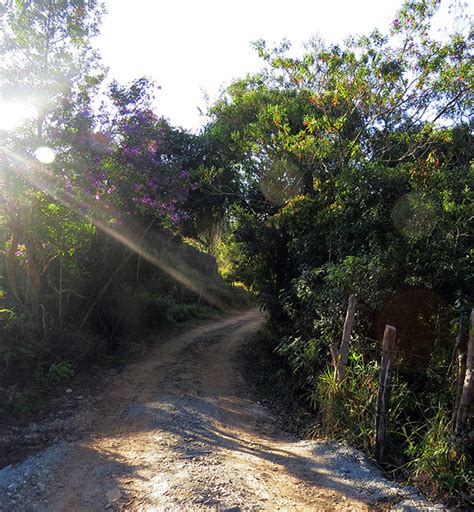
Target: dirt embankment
[(179, 430)]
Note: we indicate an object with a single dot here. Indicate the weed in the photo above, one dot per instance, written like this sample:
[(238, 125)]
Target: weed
[(347, 408), (60, 372), (436, 458)]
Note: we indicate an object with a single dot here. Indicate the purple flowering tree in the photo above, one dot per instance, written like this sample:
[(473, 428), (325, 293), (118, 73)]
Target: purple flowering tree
[(147, 169)]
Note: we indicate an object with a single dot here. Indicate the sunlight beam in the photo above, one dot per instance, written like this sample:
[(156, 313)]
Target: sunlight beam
[(33, 173), (14, 114)]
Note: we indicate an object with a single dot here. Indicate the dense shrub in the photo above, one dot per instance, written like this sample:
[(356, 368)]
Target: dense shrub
[(357, 180)]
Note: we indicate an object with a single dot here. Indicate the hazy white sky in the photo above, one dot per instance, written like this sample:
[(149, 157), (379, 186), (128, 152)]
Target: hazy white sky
[(191, 46)]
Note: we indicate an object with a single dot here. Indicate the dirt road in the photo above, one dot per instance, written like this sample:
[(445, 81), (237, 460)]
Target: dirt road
[(179, 431)]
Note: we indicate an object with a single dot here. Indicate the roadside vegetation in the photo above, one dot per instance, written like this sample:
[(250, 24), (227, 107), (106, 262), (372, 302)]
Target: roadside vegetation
[(341, 175), (357, 160), (98, 222)]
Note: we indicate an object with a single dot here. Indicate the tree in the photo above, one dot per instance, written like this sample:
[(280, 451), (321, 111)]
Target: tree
[(377, 96), (355, 170), (49, 65)]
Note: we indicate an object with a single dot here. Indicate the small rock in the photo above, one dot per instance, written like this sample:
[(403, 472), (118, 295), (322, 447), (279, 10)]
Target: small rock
[(80, 397), (68, 390), (232, 509), (113, 495)]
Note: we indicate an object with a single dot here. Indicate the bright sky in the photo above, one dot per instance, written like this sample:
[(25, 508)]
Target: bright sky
[(191, 46)]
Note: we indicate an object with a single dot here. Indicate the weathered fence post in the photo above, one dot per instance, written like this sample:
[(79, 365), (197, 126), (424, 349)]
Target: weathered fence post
[(467, 394), (383, 394), (460, 354), (340, 356)]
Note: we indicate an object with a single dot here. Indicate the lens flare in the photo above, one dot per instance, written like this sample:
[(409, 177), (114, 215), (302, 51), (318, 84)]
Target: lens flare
[(32, 172), (414, 215), (281, 181), (45, 155), (14, 114)]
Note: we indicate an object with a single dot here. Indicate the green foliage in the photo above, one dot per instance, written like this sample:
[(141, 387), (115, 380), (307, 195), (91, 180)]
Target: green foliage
[(60, 372), (437, 460), (356, 178), (347, 409), (92, 239), (347, 170)]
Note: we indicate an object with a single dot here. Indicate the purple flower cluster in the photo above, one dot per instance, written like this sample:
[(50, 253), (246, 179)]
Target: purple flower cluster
[(142, 173)]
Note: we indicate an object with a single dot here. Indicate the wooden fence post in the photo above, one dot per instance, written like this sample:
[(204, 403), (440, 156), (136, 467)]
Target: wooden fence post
[(468, 387), (340, 356), (460, 355), (383, 394)]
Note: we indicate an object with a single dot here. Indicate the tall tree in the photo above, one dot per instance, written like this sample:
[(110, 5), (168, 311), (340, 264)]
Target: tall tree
[(302, 120), (50, 70)]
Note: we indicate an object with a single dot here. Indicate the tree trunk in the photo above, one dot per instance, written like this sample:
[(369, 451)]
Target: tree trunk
[(60, 289), (33, 286), (111, 279), (467, 394), (10, 265), (343, 354)]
